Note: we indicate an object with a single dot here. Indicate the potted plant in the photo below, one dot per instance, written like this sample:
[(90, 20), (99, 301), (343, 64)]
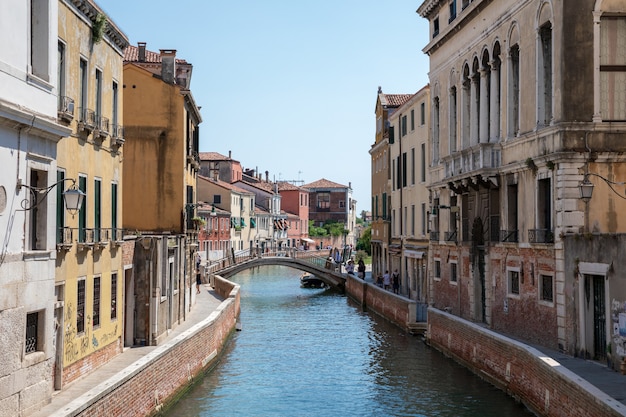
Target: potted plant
[(198, 222)]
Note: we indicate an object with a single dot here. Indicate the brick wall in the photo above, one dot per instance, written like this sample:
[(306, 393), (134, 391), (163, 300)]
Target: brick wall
[(128, 252), (393, 307), (168, 370), (524, 316), (548, 390), (90, 363)]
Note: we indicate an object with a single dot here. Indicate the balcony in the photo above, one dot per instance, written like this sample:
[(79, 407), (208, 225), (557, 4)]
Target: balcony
[(451, 236), (116, 236), (86, 120), (101, 238), (541, 236), (117, 138), (479, 157), (86, 239), (101, 132), (509, 236), (434, 236), (65, 112), (65, 238), (193, 158)]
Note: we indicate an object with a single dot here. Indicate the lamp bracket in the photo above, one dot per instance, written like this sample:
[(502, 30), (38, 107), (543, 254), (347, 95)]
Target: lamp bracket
[(38, 194)]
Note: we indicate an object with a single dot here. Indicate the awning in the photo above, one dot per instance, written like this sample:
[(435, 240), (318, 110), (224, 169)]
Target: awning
[(306, 239), (413, 254)]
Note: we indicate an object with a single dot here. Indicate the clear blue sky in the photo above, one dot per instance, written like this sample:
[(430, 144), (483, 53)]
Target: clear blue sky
[(288, 86)]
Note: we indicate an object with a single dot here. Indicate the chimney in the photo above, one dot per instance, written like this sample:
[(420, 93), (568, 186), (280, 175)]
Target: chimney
[(230, 154), (168, 65), (267, 176), (141, 46)]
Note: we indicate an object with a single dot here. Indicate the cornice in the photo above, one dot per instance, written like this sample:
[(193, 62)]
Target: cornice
[(88, 11), (427, 8)]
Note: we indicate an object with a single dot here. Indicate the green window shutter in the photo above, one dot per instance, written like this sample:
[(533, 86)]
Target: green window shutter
[(60, 207)]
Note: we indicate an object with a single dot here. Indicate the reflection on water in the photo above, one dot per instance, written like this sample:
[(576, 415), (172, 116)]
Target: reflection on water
[(311, 352)]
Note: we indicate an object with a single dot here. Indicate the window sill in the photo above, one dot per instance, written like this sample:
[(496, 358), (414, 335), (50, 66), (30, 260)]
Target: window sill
[(38, 255)]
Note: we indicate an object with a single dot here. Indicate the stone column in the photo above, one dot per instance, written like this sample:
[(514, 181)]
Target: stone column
[(483, 123), (494, 98), (473, 110)]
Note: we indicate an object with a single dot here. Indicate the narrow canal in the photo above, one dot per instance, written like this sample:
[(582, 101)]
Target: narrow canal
[(312, 352)]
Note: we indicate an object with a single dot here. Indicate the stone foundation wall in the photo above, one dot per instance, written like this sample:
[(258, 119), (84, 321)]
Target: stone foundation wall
[(521, 371), (167, 371)]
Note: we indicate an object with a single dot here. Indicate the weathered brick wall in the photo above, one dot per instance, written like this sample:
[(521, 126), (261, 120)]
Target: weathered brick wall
[(128, 252), (90, 363), (524, 316), (548, 390), (168, 370)]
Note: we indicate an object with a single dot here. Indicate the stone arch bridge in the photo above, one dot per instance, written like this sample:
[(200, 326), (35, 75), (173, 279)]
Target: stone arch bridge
[(311, 262)]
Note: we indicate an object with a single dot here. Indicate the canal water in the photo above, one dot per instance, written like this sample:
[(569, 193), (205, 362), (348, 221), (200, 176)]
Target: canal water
[(312, 352)]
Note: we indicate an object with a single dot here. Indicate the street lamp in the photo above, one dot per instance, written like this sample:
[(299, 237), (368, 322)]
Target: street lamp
[(73, 197), (586, 187)]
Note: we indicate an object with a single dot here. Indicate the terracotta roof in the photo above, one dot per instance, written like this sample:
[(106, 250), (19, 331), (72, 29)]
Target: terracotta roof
[(263, 186), (323, 183), (225, 185), (213, 156), (287, 186), (394, 100), (131, 54)]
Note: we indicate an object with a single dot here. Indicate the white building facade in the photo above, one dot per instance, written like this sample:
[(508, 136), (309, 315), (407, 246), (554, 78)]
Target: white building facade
[(29, 132)]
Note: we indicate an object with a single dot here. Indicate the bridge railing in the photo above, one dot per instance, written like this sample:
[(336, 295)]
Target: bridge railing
[(315, 257)]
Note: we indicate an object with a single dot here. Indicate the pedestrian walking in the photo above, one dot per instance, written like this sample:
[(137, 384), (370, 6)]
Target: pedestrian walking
[(361, 269), (395, 281), (198, 280), (386, 280)]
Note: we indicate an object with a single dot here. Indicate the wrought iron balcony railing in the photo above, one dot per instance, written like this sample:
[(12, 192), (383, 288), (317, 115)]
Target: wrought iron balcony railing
[(509, 236), (541, 236), (86, 120)]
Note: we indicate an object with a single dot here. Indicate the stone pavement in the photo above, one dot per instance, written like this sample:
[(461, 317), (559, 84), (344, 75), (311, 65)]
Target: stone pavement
[(68, 401)]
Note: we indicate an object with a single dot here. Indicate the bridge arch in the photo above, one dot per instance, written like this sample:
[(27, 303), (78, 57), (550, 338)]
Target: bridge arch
[(330, 277)]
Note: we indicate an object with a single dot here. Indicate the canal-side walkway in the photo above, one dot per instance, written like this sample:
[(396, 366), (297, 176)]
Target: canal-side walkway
[(71, 400)]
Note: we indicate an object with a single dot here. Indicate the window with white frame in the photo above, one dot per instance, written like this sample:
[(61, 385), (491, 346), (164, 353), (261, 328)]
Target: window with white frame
[(546, 288), (38, 214), (39, 33), (513, 281), (80, 305), (95, 320), (613, 67), (453, 272), (113, 295)]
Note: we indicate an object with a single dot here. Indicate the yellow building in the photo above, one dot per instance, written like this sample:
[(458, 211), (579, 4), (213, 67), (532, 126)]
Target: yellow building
[(89, 266), (386, 104), (161, 163)]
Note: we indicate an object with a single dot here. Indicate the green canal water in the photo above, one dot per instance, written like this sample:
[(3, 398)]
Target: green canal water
[(312, 352)]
